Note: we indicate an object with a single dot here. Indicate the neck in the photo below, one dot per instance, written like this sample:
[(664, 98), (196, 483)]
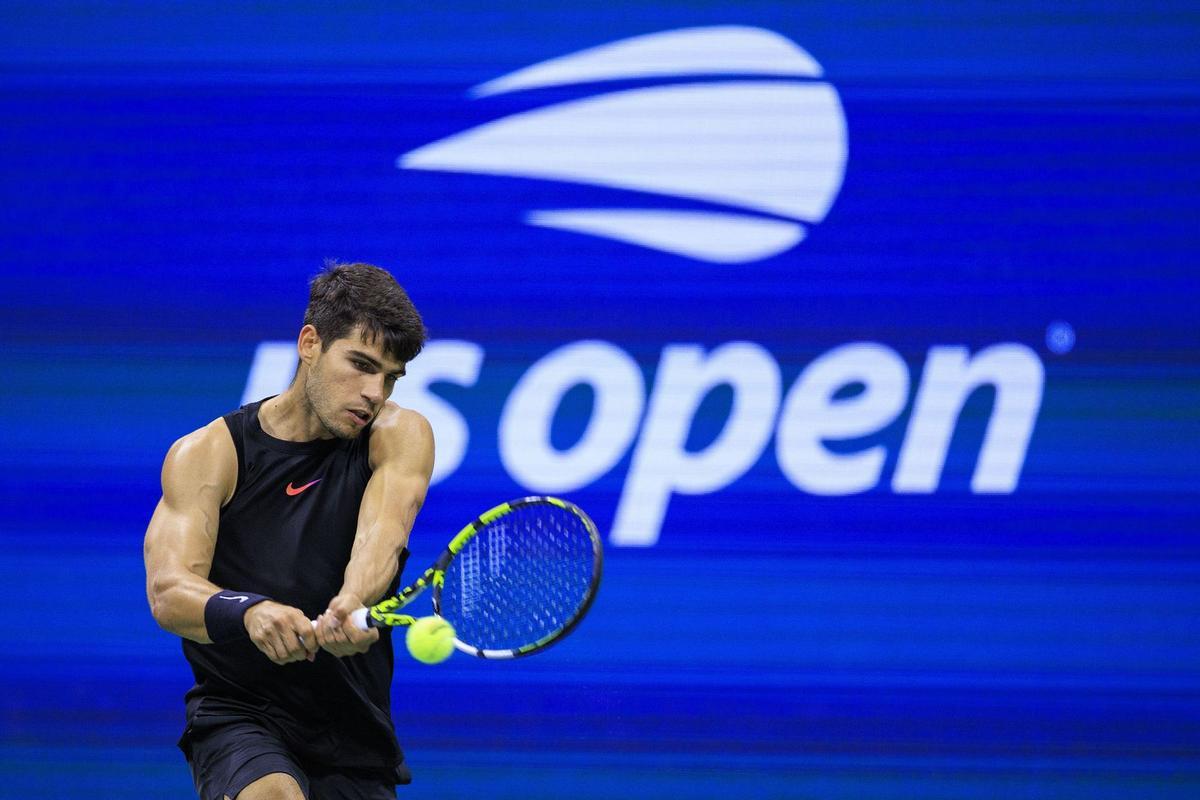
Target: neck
[(290, 417)]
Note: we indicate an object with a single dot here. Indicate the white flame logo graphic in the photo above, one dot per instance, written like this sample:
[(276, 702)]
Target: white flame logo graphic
[(769, 152)]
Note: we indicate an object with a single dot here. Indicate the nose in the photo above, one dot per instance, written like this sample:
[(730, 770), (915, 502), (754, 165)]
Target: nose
[(375, 390)]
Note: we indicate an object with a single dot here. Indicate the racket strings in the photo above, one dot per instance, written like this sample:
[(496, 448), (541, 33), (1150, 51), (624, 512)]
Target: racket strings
[(521, 579)]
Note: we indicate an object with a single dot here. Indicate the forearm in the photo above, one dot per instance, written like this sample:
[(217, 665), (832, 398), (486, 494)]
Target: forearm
[(374, 562), (402, 460)]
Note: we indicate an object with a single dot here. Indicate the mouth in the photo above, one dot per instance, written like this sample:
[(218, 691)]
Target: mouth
[(359, 417)]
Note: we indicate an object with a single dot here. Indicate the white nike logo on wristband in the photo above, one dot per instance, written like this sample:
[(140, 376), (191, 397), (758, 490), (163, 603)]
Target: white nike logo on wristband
[(241, 598)]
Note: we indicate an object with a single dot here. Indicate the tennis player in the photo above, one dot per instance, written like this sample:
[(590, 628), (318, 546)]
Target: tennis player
[(293, 508)]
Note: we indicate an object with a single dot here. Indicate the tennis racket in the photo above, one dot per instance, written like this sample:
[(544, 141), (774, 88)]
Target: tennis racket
[(513, 582)]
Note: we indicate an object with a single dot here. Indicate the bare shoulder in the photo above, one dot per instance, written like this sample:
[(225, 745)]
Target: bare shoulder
[(401, 420), (206, 456), (401, 433), (210, 443)]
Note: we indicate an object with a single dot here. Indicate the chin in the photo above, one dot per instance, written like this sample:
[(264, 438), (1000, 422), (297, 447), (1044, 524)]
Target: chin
[(340, 432)]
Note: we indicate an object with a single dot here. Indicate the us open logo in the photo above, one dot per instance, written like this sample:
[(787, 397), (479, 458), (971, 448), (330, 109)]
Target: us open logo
[(760, 145), (739, 166)]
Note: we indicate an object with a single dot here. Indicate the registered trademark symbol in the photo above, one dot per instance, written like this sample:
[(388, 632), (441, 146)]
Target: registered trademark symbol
[(1060, 337)]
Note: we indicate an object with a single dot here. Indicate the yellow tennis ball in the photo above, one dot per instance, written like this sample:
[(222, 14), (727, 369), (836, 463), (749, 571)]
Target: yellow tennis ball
[(430, 640)]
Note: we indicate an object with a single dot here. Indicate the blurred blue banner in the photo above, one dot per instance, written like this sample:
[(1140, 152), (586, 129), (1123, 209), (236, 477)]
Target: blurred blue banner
[(866, 333)]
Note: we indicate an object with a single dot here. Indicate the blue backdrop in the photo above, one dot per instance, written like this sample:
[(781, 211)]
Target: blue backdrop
[(865, 331)]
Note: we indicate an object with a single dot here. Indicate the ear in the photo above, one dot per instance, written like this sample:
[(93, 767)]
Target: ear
[(308, 345)]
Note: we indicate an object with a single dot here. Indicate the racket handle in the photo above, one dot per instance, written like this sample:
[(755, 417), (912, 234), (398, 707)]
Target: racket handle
[(361, 620)]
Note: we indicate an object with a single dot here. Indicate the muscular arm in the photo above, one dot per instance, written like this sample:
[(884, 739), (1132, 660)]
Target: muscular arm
[(198, 476), (402, 462)]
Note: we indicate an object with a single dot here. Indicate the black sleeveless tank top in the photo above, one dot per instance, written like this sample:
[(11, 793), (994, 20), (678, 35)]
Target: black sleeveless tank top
[(287, 534)]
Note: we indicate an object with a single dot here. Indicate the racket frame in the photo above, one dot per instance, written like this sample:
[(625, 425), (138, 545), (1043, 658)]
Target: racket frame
[(386, 613)]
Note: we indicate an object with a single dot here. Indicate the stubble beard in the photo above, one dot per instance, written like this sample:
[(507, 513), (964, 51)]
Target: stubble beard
[(311, 396)]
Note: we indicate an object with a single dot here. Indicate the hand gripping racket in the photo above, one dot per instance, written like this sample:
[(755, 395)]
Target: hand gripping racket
[(513, 582)]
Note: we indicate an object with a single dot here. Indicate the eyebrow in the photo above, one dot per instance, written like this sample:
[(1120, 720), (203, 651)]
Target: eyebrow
[(374, 362)]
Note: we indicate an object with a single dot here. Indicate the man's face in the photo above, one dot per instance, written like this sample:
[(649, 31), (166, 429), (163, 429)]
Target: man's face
[(347, 384)]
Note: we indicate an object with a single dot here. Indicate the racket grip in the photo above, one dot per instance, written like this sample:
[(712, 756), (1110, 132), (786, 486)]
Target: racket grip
[(361, 620)]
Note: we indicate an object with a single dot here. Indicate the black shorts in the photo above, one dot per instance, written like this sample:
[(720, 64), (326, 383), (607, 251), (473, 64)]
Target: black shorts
[(227, 757)]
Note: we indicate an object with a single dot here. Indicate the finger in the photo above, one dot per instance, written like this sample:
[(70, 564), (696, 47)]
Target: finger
[(337, 620), (282, 650), (295, 646), (268, 648), (363, 637), (321, 631), (330, 636), (337, 631), (307, 640), (328, 621), (361, 641), (286, 641), (294, 632), (262, 641)]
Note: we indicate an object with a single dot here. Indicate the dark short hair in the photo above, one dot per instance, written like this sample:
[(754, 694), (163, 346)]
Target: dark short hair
[(345, 296)]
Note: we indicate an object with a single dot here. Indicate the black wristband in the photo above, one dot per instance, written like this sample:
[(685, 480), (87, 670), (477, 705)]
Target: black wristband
[(223, 615)]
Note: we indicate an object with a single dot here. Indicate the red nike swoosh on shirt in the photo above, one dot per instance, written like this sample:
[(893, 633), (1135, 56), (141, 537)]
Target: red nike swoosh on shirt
[(295, 490)]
